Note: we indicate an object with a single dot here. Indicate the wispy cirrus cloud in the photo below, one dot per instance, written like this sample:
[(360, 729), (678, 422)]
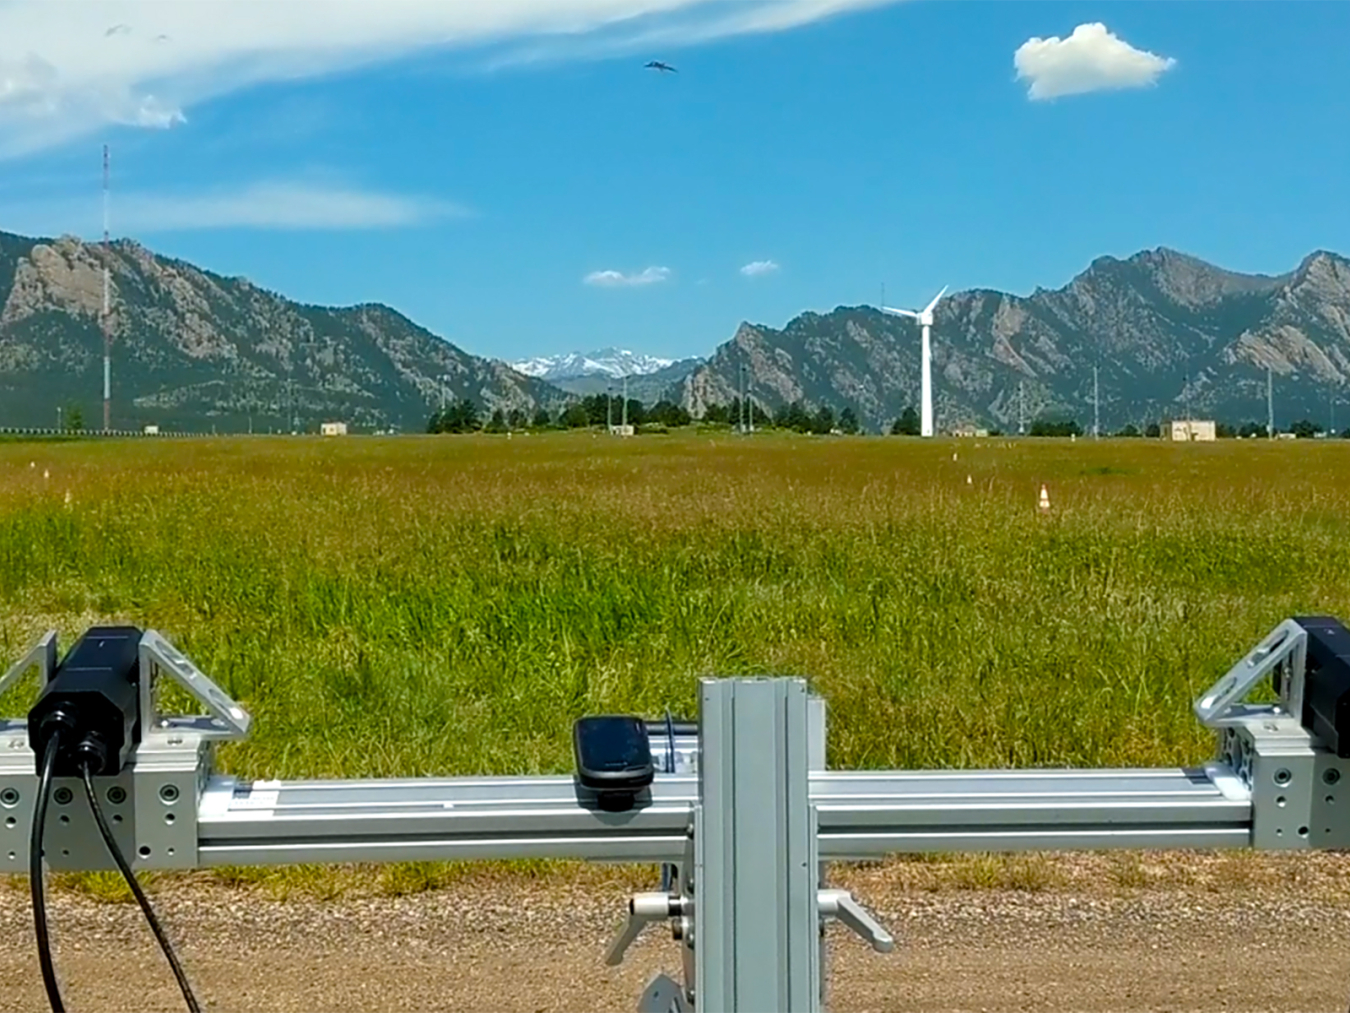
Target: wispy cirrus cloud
[(275, 205), (618, 279), (1091, 59), (72, 67), (756, 268)]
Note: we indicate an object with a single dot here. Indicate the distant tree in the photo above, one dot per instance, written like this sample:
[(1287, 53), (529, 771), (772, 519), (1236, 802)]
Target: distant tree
[(996, 431), (575, 416), (1224, 431), (436, 424), (716, 413), (1252, 430), (516, 418), (1345, 434), (1152, 431), (1130, 431), (542, 419), (496, 424), (822, 423), (1305, 429), (794, 416), (460, 417), (762, 418), (74, 419), (669, 414), (597, 408), (907, 424), (1056, 427), (637, 412), (848, 421)]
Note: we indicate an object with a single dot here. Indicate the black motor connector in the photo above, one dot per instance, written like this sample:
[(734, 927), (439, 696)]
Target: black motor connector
[(1326, 682), (93, 700)]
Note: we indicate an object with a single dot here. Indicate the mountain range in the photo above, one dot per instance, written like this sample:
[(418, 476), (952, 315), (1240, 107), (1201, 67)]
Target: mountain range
[(1164, 334), (647, 377), (193, 349), (1167, 335)]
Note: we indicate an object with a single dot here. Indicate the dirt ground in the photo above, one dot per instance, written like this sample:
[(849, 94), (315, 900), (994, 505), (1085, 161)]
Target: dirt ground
[(1268, 939)]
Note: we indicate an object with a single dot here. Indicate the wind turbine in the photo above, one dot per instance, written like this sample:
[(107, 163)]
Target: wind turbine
[(925, 319)]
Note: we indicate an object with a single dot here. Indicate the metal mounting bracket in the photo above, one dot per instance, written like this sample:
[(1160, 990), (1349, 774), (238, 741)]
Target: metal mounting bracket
[(1286, 646), (43, 656), (225, 720)]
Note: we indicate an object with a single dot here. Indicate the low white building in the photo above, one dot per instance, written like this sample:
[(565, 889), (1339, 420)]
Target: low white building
[(152, 430), (1193, 431), (332, 429)]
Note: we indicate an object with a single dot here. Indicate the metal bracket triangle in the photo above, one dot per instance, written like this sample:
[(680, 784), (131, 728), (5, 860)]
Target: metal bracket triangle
[(1286, 646), (224, 721), (42, 656)]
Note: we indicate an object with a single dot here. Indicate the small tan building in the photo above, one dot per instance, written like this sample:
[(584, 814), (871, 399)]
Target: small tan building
[(1193, 431), (332, 429)]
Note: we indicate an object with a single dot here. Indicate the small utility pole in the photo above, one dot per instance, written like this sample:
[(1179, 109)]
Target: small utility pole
[(625, 404), (1096, 408), (740, 402), (749, 401), (609, 407), (1021, 408)]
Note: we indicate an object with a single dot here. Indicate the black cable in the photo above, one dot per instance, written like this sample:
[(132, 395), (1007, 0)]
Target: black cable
[(141, 899), (35, 881)]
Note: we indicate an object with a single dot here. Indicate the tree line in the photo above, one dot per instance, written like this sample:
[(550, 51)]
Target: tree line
[(463, 416)]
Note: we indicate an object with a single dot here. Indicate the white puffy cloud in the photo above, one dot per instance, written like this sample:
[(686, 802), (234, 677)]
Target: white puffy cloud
[(280, 205), (1091, 59), (757, 267), (71, 67), (617, 279)]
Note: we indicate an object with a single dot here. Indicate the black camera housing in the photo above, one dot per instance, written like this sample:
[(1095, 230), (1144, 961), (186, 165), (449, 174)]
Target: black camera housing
[(93, 701), (1326, 682)]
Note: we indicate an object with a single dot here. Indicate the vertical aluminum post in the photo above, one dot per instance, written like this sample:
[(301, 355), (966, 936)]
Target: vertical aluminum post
[(756, 867)]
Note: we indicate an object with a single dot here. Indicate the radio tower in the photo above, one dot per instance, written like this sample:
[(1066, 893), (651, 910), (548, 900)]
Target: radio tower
[(107, 307)]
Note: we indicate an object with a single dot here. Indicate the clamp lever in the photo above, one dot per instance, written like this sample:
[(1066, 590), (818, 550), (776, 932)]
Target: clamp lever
[(643, 909), (841, 905)]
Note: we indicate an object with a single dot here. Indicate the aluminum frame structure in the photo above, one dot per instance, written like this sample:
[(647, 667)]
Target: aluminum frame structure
[(744, 816)]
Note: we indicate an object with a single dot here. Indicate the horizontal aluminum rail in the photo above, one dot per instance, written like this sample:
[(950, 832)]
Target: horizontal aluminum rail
[(861, 815)]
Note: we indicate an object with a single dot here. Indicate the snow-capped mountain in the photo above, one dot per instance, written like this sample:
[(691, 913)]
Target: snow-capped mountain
[(615, 362)]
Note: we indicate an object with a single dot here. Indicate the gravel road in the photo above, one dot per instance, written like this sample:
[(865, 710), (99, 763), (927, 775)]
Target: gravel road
[(1274, 941)]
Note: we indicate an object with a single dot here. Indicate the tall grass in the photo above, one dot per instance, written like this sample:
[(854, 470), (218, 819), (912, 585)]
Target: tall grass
[(448, 605)]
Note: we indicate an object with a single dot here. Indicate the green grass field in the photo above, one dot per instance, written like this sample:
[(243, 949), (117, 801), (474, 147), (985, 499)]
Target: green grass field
[(447, 605)]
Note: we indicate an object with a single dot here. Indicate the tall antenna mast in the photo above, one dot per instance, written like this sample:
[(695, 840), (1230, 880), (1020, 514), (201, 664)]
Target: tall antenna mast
[(1270, 404), (107, 306)]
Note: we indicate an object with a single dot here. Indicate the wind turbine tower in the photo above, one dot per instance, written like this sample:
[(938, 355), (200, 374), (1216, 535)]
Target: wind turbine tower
[(107, 307), (1270, 404), (925, 319)]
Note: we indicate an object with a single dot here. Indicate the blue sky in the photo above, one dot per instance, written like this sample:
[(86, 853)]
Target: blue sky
[(470, 166)]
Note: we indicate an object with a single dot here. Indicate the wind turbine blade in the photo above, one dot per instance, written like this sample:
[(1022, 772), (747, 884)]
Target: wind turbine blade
[(936, 299), (900, 313)]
